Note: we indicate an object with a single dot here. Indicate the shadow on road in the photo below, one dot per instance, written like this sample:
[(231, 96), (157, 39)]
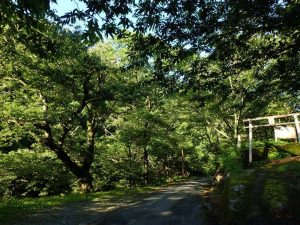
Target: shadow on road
[(177, 205)]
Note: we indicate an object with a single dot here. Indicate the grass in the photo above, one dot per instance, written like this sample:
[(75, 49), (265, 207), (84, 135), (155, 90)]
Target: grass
[(12, 209)]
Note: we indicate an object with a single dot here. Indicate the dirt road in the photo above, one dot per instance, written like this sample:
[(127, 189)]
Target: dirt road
[(174, 205)]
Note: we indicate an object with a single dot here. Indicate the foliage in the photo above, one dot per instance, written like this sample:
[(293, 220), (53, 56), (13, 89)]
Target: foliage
[(230, 161), (55, 96), (163, 100), (31, 173)]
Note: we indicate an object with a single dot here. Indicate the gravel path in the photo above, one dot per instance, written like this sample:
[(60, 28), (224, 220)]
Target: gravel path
[(175, 205)]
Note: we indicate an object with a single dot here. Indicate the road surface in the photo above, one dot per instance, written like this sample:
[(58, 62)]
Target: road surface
[(174, 205), (177, 205)]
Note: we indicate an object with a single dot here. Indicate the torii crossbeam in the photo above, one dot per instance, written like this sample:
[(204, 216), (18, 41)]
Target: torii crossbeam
[(272, 123)]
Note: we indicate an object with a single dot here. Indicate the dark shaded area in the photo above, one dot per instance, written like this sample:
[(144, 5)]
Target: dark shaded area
[(262, 196), (179, 205)]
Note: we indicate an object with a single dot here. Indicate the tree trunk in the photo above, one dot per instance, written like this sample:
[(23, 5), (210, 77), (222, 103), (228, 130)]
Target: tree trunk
[(146, 164), (82, 173), (90, 142), (130, 165), (86, 182), (182, 163)]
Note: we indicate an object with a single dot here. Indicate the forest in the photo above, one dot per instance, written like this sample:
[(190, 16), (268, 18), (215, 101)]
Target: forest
[(127, 94)]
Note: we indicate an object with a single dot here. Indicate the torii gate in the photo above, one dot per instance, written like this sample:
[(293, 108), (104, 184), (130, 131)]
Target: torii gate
[(281, 130)]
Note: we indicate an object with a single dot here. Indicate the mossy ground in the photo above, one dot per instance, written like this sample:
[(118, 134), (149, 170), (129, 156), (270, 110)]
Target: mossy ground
[(266, 194), (276, 150)]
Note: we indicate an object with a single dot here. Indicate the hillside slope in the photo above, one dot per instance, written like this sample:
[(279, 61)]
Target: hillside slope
[(268, 194)]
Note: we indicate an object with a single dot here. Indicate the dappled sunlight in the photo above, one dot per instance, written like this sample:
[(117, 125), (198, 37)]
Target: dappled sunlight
[(166, 213), (135, 112), (174, 203)]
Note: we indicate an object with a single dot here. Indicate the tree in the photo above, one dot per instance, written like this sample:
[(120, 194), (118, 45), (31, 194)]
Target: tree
[(219, 28), (59, 100), (240, 36)]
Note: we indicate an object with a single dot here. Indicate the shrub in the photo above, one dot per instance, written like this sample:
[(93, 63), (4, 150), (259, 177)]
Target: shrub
[(31, 173)]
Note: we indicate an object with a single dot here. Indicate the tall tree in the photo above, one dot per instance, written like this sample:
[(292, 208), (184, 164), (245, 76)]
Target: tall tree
[(59, 98)]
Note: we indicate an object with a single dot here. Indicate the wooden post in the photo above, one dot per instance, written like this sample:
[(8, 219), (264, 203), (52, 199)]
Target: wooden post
[(239, 142), (250, 142), (297, 127)]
